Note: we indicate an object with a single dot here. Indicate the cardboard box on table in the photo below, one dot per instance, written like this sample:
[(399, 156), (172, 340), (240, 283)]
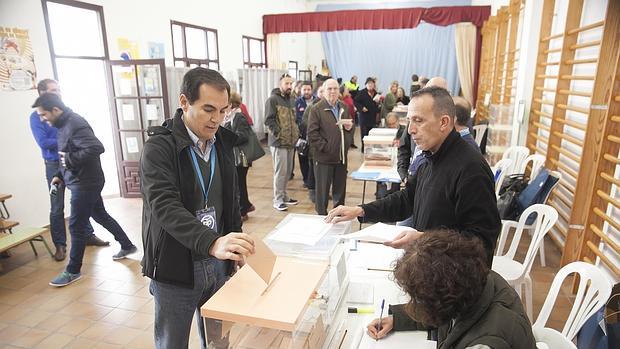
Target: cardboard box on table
[(292, 310)]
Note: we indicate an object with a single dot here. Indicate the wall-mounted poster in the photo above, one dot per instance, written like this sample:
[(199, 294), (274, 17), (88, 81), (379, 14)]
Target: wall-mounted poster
[(156, 50), (17, 70)]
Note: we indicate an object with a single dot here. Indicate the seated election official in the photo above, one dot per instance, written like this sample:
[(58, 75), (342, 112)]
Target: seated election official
[(191, 224), (453, 290)]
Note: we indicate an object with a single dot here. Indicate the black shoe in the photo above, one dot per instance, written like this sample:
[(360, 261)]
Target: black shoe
[(291, 202), (93, 240), (353, 146), (292, 176), (61, 253)]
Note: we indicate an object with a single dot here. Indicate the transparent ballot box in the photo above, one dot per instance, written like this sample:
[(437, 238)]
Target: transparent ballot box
[(296, 308), (379, 151), (383, 131)]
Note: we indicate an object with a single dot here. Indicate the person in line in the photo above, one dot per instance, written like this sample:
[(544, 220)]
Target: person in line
[(453, 188), (191, 222), (46, 138), (329, 134), (462, 121), (389, 102), (283, 135), (415, 84), (80, 170), (367, 108), (453, 290), (301, 104)]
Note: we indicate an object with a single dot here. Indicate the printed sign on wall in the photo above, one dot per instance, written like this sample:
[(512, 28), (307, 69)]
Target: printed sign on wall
[(17, 70)]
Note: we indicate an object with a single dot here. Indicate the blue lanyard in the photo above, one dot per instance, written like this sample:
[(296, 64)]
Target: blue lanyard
[(212, 159)]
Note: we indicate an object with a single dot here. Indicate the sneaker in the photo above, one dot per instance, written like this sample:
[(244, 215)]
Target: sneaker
[(124, 253), (65, 278), (280, 207), (93, 240), (61, 253), (291, 202)]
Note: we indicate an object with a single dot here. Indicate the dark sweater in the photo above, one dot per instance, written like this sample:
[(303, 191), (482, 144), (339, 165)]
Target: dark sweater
[(496, 320), (453, 189)]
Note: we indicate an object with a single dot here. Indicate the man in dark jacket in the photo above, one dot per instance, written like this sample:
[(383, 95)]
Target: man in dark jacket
[(301, 104), (455, 292), (367, 108), (283, 135), (454, 188), (80, 170), (462, 121), (191, 222), (329, 134), (45, 136)]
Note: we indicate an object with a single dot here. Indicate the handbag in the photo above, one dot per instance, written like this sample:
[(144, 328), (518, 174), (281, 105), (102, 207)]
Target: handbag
[(251, 150), (508, 196)]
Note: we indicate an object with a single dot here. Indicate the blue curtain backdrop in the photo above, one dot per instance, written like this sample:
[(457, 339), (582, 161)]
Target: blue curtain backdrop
[(426, 50)]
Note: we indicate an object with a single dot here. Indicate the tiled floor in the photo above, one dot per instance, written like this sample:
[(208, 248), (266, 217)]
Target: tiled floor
[(111, 306)]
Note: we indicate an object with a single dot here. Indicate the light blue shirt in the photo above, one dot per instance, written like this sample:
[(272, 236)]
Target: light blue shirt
[(197, 147)]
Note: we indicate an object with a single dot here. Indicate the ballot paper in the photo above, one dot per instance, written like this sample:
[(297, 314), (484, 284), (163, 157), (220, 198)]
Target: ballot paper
[(397, 340), (262, 261), (378, 232), (301, 230)]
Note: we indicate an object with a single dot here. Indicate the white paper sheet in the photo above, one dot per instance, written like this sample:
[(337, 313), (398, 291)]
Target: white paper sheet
[(302, 230), (132, 145), (374, 256), (125, 87), (127, 111), (397, 340), (151, 112), (378, 232), (361, 292)]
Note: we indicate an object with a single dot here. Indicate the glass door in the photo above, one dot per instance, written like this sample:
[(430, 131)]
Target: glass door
[(140, 101)]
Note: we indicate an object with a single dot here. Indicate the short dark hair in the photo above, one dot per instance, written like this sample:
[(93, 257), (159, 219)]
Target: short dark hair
[(42, 85), (196, 77), (369, 79), (443, 104), (414, 77), (463, 113), (48, 101), (444, 271), (306, 82)]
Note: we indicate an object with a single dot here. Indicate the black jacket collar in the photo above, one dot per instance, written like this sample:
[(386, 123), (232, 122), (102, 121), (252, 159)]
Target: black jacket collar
[(223, 136), (453, 136), (62, 119)]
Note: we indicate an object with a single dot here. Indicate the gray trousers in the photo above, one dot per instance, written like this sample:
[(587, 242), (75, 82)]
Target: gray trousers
[(175, 307), (282, 168), (326, 176)]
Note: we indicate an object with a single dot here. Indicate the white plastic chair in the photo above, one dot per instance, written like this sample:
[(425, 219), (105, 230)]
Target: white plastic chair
[(503, 166), (517, 154), (518, 274), (480, 129), (592, 294), (537, 160)]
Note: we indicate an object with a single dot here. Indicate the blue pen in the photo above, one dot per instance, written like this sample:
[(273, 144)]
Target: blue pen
[(381, 316)]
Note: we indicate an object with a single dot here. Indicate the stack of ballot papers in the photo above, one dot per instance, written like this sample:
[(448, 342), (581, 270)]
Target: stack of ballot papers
[(379, 232)]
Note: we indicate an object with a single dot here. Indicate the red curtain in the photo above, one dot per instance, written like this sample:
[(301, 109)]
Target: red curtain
[(402, 18)]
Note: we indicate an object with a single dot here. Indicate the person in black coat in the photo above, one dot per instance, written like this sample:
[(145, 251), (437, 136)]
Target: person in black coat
[(454, 188), (367, 108), (80, 170)]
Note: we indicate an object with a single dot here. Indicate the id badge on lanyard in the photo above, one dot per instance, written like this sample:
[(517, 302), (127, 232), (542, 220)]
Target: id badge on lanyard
[(206, 216)]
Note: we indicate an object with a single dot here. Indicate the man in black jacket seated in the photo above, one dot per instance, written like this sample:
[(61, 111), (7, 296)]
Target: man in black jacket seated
[(191, 225), (453, 189), (452, 289)]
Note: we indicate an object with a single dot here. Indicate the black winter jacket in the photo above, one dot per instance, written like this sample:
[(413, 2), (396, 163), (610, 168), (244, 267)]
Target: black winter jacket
[(364, 100), (496, 320), (82, 149), (454, 188), (171, 194)]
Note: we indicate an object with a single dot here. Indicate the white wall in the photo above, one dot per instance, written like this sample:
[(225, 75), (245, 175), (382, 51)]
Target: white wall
[(140, 20)]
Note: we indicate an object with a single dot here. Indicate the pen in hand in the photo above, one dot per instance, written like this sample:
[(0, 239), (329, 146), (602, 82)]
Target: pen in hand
[(380, 317)]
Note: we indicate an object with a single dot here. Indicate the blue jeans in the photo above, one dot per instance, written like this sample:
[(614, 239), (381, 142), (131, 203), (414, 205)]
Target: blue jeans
[(175, 306), (57, 207), (86, 203)]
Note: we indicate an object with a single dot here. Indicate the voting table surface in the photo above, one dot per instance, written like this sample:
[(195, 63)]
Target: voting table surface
[(313, 283)]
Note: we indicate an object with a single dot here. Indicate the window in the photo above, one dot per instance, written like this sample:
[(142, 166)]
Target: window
[(305, 75), (194, 46), (292, 69), (253, 52)]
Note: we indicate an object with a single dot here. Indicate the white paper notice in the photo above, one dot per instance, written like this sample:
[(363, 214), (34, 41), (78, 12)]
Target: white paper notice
[(125, 87), (151, 112), (132, 145), (397, 340), (127, 111), (379, 232), (302, 230)]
